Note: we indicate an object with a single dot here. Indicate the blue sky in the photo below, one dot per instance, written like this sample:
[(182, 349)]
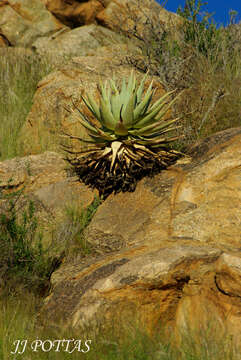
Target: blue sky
[(221, 8)]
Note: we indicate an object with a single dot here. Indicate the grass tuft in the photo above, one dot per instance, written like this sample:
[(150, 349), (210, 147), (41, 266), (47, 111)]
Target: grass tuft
[(20, 72), (19, 321), (23, 259)]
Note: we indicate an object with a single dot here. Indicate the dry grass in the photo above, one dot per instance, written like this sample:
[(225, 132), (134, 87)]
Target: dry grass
[(20, 71), (202, 60), (19, 321)]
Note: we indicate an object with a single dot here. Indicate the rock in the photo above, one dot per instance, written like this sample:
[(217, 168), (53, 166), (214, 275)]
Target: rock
[(22, 22), (174, 253), (199, 202), (74, 13), (172, 287), (201, 147), (60, 89), (127, 15), (109, 13), (46, 180), (66, 44), (3, 41), (228, 277), (212, 185), (211, 304), (126, 276), (25, 22), (112, 228)]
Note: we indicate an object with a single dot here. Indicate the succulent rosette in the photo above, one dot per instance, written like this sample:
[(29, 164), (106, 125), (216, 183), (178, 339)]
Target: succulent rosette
[(131, 140)]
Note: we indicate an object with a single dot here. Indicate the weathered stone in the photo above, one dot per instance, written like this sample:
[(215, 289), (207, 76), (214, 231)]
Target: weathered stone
[(212, 302), (133, 16), (213, 185), (46, 24), (120, 220), (109, 13), (199, 202), (74, 13), (46, 180), (66, 44), (22, 22), (174, 286), (158, 272), (228, 277)]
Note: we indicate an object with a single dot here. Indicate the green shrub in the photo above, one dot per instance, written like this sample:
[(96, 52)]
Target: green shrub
[(23, 260), (202, 34)]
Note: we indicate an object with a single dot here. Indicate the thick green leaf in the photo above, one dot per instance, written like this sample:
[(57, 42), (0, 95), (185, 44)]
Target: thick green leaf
[(92, 106), (151, 129), (161, 100), (101, 139), (115, 106), (95, 131), (142, 107), (131, 84), (140, 89), (154, 114), (114, 87), (107, 118), (123, 91), (87, 125), (128, 113), (166, 108)]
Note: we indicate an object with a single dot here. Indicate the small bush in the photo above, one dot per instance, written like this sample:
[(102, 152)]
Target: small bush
[(23, 260), (200, 32)]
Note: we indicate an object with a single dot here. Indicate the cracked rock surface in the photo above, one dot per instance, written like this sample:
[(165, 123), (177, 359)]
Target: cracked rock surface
[(167, 253)]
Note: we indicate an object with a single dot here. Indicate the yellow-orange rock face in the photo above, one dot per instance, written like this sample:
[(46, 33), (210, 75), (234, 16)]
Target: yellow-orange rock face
[(74, 13), (22, 22), (157, 263)]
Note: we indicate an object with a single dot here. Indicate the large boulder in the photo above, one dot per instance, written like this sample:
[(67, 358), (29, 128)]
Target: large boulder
[(197, 201), (174, 252), (75, 13), (111, 13), (135, 16), (22, 22), (60, 89), (47, 181), (66, 43)]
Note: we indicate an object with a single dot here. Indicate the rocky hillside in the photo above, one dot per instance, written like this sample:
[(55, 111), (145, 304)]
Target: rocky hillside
[(168, 252), (67, 28)]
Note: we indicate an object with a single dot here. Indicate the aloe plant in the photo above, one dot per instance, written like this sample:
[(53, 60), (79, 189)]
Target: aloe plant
[(132, 137)]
